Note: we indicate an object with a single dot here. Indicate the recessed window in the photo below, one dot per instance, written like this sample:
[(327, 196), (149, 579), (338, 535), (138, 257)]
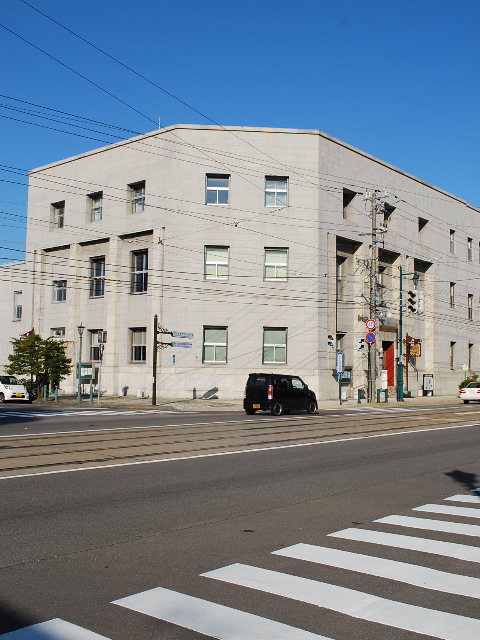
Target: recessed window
[(58, 333), (96, 206), (274, 346), (58, 212), (215, 344), (469, 249), (452, 355), (94, 346), (60, 291), (339, 277), (348, 197), (217, 189), (139, 344), (452, 295), (452, 241), (216, 263), (276, 191), (97, 277), (139, 271), (17, 305), (137, 194), (470, 306), (470, 355), (276, 264)]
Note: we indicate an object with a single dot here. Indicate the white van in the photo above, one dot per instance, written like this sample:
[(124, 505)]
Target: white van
[(12, 389)]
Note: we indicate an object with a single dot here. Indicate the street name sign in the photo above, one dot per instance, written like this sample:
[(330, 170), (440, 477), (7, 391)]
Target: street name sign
[(184, 345), (182, 334)]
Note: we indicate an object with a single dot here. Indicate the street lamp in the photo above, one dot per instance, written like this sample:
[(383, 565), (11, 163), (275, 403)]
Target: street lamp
[(415, 279), (80, 333)]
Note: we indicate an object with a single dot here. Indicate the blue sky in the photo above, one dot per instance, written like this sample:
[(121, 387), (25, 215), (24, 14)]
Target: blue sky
[(399, 80)]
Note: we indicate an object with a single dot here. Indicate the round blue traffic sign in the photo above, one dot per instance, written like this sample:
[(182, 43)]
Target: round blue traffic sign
[(370, 338)]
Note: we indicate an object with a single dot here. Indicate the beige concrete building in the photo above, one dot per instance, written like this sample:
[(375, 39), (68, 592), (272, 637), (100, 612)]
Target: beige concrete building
[(256, 241)]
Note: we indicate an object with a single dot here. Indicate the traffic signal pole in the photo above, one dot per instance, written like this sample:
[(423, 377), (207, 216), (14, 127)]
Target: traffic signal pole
[(400, 343)]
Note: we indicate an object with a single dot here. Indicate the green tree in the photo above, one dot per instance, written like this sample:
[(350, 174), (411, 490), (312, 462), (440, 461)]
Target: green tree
[(38, 361), (56, 365), (467, 380)]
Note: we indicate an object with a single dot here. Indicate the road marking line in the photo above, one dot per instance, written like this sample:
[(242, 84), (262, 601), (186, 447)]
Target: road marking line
[(356, 604), (446, 509), (464, 498), (210, 619), (55, 629), (399, 541), (433, 525), (413, 574), (225, 453)]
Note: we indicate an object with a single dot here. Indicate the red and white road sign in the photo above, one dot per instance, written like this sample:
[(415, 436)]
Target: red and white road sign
[(371, 324)]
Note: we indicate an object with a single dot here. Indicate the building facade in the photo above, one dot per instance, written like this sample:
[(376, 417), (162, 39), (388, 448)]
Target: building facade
[(259, 243)]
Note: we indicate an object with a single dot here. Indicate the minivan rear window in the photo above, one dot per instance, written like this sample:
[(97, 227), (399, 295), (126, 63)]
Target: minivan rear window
[(257, 382)]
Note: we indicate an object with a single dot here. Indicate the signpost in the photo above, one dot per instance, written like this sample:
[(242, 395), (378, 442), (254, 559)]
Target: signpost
[(370, 338), (370, 324), (339, 373)]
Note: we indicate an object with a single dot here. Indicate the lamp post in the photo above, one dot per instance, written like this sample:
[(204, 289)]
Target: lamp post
[(79, 393), (415, 279)]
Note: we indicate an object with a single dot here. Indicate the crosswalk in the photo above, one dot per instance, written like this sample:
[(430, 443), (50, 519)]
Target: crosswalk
[(83, 412), (215, 620)]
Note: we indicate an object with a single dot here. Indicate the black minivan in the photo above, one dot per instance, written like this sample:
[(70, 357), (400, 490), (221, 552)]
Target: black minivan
[(277, 393)]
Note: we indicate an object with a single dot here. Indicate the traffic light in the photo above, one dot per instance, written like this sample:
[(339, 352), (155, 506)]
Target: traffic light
[(412, 301), (360, 344)]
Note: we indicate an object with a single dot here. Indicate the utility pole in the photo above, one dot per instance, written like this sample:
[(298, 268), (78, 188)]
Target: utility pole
[(155, 352), (372, 350)]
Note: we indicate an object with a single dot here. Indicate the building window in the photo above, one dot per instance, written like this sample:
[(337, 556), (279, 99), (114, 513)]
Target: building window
[(217, 189), (348, 197), (17, 305), (137, 193), (139, 344), (97, 277), (470, 355), (58, 210), (469, 249), (274, 346), (452, 241), (215, 344), (452, 295), (216, 263), (276, 191), (339, 278), (452, 355), (60, 291), (96, 201), (94, 346), (58, 333), (470, 306), (139, 271), (276, 264), (422, 223)]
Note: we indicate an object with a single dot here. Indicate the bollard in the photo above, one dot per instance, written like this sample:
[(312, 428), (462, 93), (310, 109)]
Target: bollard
[(91, 394), (194, 393), (44, 392), (56, 395), (359, 397)]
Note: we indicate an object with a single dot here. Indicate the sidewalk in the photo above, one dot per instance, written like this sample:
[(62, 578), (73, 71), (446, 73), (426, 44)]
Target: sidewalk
[(189, 405)]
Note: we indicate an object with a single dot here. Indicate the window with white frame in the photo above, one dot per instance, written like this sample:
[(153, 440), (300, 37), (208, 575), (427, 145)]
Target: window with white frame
[(139, 344), (58, 211), (97, 277), (94, 346), (60, 291), (216, 263), (96, 206), (469, 249), (139, 271), (137, 192), (452, 241), (276, 191), (17, 305), (470, 306), (452, 295), (215, 344), (58, 333), (218, 187), (274, 345), (276, 264)]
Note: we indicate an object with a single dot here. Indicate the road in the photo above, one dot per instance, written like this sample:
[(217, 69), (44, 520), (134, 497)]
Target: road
[(241, 528)]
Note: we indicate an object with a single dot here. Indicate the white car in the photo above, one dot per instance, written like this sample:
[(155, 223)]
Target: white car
[(12, 389), (470, 392)]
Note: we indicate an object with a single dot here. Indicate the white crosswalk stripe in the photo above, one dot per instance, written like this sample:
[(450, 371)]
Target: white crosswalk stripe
[(86, 413), (211, 619), (55, 629), (357, 604), (464, 498), (433, 525), (447, 510)]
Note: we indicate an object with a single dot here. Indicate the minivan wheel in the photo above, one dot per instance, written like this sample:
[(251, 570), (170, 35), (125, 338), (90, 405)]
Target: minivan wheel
[(277, 409), (311, 407)]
